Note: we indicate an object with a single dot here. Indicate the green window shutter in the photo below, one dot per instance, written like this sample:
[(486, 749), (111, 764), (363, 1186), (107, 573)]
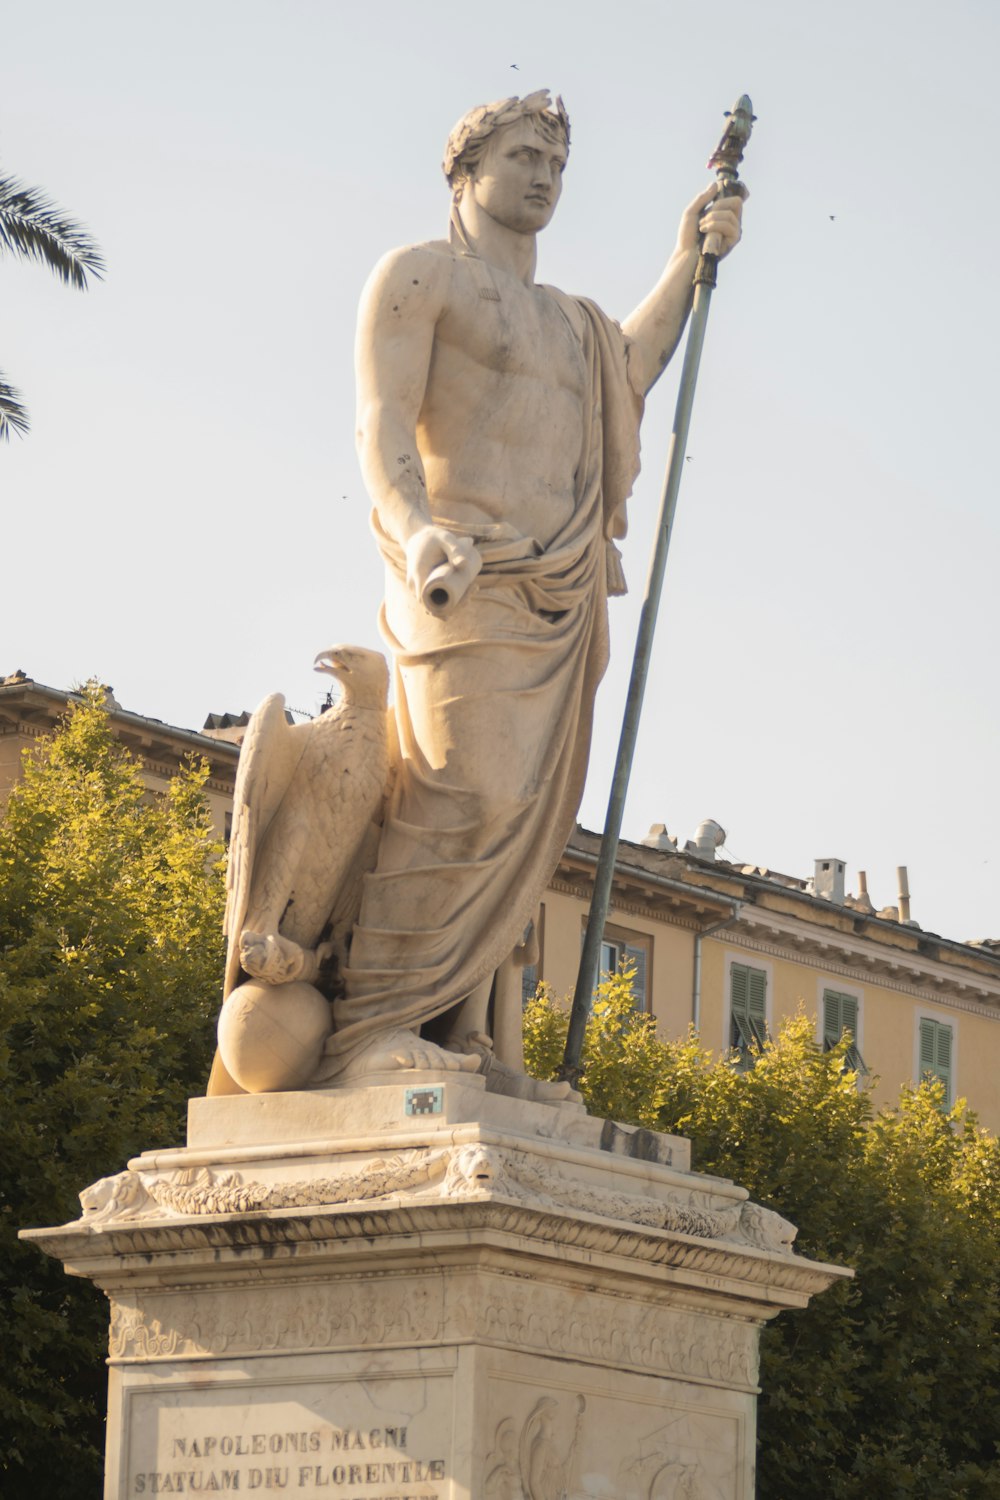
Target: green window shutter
[(840, 1014), (739, 1032), (942, 1060), (748, 1007), (757, 995), (636, 958), (740, 986), (757, 1005), (927, 1047), (936, 1052)]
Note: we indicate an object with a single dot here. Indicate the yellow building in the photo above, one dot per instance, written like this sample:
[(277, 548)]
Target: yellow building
[(731, 949), (29, 710)]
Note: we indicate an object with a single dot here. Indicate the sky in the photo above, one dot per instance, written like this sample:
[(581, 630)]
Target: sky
[(187, 520)]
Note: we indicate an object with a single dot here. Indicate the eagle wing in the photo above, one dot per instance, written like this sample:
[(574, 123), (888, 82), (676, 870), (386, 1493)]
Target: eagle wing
[(269, 755), (268, 761)]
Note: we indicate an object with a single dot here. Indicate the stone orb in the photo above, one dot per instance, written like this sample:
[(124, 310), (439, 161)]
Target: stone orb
[(271, 1036)]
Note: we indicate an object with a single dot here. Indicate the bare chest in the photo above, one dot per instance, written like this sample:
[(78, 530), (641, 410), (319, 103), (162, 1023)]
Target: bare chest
[(511, 330)]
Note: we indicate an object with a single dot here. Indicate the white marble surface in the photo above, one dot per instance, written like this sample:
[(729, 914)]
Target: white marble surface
[(335, 1296), (497, 426)]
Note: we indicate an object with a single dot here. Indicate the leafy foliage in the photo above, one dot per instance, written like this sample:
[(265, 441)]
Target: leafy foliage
[(31, 226), (13, 412), (888, 1385), (110, 939)]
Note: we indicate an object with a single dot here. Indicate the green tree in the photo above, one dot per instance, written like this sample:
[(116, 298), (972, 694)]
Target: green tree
[(110, 959), (34, 228), (888, 1385)]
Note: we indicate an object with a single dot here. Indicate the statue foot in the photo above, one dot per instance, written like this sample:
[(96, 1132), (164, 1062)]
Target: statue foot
[(404, 1051), (501, 1078), (504, 1080)]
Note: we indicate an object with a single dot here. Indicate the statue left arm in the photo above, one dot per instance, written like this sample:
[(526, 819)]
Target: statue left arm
[(654, 329)]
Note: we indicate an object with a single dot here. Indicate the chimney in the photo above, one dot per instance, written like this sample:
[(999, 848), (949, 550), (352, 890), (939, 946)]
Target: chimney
[(862, 901), (903, 886), (828, 881), (708, 837)]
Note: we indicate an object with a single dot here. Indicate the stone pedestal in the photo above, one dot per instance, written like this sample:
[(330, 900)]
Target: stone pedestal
[(430, 1293)]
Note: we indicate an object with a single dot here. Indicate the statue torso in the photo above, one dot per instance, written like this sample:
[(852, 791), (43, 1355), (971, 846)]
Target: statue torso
[(503, 416)]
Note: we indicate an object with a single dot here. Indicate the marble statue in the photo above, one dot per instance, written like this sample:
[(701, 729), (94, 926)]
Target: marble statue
[(307, 796), (307, 806), (498, 433)]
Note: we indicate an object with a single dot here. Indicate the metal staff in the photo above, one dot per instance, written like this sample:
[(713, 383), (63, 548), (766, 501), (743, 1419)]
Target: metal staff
[(724, 161)]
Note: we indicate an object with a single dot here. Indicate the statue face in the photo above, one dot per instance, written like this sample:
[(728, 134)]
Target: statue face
[(519, 180)]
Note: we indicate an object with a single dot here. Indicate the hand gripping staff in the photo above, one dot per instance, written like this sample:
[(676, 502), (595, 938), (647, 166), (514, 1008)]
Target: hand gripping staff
[(725, 161)]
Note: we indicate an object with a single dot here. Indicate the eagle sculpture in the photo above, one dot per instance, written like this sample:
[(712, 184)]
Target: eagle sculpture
[(307, 811)]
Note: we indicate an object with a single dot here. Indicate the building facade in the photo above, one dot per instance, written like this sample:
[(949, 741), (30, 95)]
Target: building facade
[(30, 710), (732, 950)]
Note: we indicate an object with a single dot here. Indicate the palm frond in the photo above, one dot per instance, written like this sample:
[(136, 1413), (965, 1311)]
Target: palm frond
[(13, 414), (32, 226)]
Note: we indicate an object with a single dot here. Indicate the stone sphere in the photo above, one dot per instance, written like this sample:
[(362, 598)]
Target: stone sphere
[(271, 1036)]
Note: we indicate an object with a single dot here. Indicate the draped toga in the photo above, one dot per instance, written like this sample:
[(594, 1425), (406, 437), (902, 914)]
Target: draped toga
[(494, 709)]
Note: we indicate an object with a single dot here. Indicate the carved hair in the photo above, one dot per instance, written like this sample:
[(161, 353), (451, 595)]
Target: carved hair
[(468, 141)]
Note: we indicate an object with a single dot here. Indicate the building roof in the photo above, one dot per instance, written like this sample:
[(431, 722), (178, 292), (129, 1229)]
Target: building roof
[(33, 708), (699, 892)]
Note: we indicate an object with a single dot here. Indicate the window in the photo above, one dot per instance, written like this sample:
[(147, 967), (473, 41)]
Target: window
[(936, 1049), (634, 950), (747, 1010), (840, 1014), (532, 973)]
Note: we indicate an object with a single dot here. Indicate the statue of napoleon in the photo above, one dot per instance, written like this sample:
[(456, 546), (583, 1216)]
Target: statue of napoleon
[(498, 433)]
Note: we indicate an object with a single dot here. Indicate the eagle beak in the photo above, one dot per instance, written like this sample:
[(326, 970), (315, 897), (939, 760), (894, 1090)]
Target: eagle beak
[(330, 661)]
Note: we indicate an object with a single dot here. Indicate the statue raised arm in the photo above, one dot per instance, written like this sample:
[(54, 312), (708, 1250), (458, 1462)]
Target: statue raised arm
[(498, 424)]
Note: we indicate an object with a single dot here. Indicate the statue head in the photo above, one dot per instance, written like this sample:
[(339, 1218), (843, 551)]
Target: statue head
[(470, 137)]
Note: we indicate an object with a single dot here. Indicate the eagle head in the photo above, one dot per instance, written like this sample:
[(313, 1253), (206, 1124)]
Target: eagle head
[(363, 674)]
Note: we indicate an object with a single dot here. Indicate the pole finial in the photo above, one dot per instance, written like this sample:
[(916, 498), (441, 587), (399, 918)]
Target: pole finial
[(725, 163), (728, 154)]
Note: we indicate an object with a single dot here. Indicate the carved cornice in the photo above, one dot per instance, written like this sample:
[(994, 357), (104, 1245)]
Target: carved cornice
[(717, 1252), (649, 910), (472, 1170), (858, 960)]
